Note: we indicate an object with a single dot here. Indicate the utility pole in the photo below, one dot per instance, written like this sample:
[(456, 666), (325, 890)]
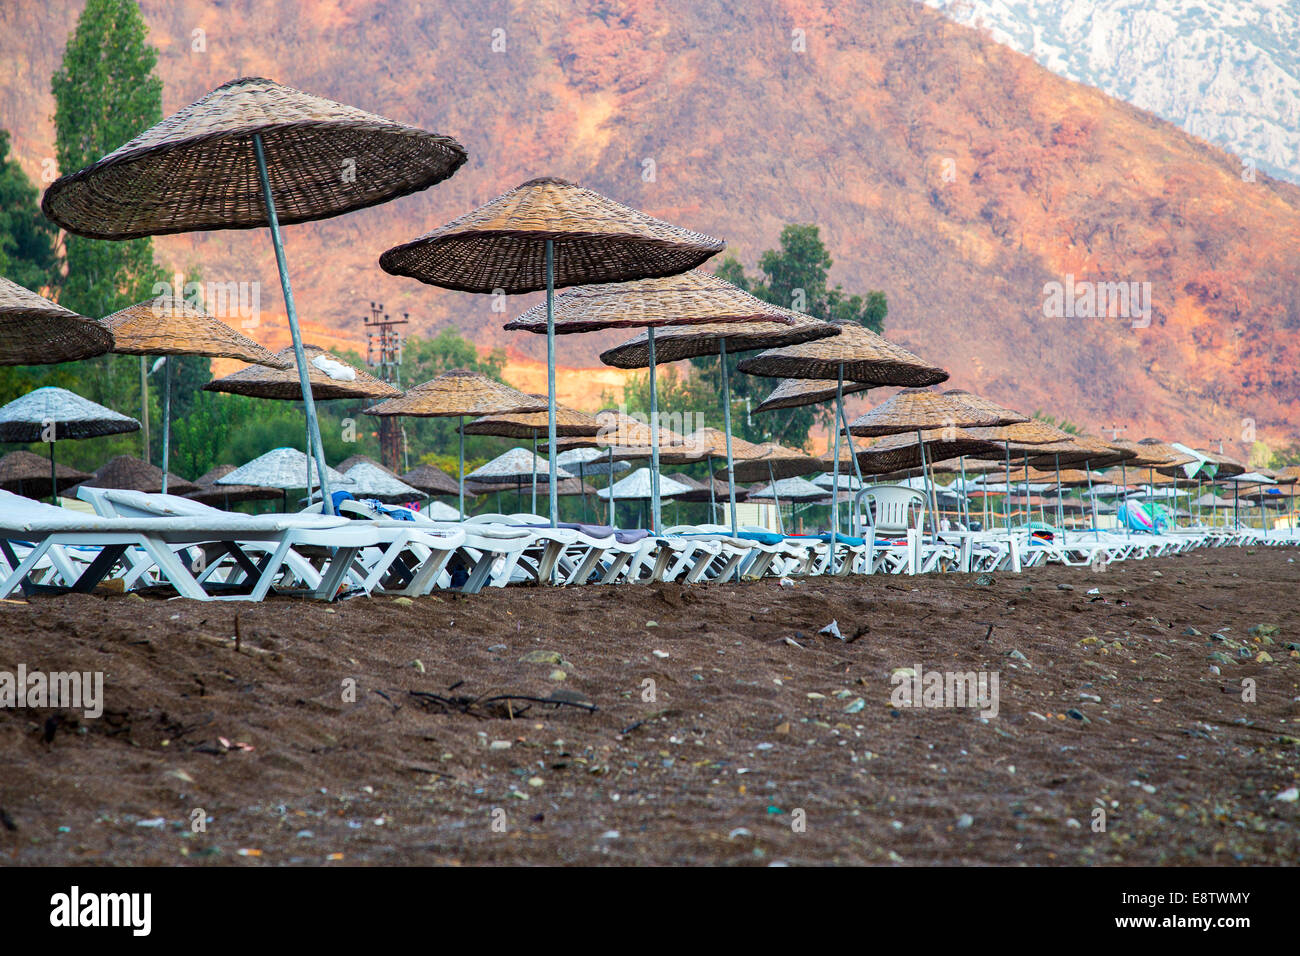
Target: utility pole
[(1115, 430), (384, 355)]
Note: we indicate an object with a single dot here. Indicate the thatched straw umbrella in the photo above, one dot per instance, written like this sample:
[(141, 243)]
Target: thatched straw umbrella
[(431, 480), (458, 393), (856, 354), (916, 410), (285, 469), (516, 465), (371, 480), (210, 493), (134, 474), (19, 468), (36, 331), (569, 423), (169, 326), (699, 314), (311, 157), (641, 486), (797, 392), (549, 234), (52, 414), (328, 377)]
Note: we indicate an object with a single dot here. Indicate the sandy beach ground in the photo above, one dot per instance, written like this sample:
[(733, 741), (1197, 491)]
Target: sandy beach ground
[(1155, 722)]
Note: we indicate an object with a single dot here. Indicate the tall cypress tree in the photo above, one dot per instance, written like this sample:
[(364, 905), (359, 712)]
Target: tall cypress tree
[(106, 94)]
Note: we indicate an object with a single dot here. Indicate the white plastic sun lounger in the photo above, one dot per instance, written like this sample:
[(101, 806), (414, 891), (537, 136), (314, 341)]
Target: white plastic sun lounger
[(46, 527)]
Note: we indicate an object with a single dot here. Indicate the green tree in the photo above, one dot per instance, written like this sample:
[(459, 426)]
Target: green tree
[(105, 94), (27, 238)]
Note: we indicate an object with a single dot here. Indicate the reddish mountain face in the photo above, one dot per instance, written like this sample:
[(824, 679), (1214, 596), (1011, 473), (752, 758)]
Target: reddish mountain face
[(973, 186)]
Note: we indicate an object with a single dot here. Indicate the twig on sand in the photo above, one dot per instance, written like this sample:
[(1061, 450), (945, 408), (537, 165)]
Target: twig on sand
[(467, 705)]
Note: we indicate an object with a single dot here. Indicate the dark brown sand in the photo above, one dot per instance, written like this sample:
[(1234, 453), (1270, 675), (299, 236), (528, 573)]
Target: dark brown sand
[(752, 750)]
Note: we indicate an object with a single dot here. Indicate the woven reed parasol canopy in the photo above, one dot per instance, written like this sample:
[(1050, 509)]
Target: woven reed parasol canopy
[(569, 423), (902, 450), (210, 493), (167, 326), (914, 409), (638, 487), (282, 468), (459, 393), (330, 378), (628, 437), (797, 392), (196, 170), (514, 466), (695, 299), (1173, 458), (1227, 467), (712, 442), (253, 153), (23, 419), (590, 461), (770, 460), (1144, 456), (352, 460), (677, 342), (502, 244), (789, 489), (36, 331), (431, 480), (132, 474), (27, 470), (370, 480), (1006, 416), (1080, 450), (863, 355)]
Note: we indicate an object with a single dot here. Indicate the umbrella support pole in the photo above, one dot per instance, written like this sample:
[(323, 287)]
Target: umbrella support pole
[(771, 476), (460, 490), (1060, 507), (726, 428), (550, 379), (144, 405), (300, 357), (582, 490), (610, 486), (713, 504), (1006, 488), (925, 477), (857, 469), (835, 473), (655, 503), (963, 503), (54, 482), (1123, 480), (534, 469), (167, 419)]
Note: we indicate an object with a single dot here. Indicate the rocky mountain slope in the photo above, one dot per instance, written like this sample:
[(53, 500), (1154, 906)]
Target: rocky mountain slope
[(1225, 70), (952, 172)]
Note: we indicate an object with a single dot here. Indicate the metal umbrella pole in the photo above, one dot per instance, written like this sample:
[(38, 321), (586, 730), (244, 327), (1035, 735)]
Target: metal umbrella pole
[(1060, 508), (934, 505), (610, 487), (167, 421), (726, 428), (1006, 488), (534, 470), (1092, 499), (461, 489), (1123, 493), (835, 473), (857, 468), (582, 487), (550, 377), (654, 435), (713, 505), (54, 482), (771, 477), (313, 426)]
